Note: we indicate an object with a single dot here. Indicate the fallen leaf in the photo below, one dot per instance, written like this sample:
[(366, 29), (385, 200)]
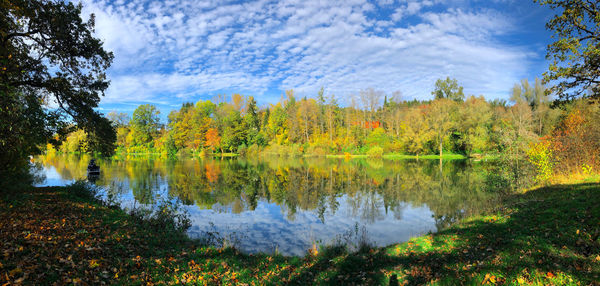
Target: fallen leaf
[(15, 271)]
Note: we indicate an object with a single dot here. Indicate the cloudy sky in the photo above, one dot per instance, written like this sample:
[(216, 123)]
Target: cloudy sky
[(174, 51)]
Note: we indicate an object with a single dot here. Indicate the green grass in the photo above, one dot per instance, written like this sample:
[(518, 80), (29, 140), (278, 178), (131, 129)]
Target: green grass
[(345, 156), (546, 236), (225, 154), (393, 156), (425, 157)]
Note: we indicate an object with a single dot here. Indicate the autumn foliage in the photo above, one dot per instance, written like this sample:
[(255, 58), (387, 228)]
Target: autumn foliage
[(367, 124), (213, 140), (575, 142)]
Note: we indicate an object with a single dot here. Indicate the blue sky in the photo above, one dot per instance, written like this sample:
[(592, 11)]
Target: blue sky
[(174, 51)]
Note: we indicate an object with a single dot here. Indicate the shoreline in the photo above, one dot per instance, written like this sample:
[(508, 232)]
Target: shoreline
[(509, 245), (388, 156)]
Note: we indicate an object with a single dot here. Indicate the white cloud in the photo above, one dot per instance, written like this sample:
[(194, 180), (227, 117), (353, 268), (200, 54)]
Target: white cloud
[(169, 51), (410, 7)]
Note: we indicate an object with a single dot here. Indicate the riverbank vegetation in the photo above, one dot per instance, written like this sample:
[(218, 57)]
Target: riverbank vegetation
[(370, 123), (558, 141)]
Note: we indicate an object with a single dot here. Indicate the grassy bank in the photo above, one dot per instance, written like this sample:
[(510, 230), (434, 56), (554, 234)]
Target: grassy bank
[(393, 156), (546, 236), (425, 157), (389, 156)]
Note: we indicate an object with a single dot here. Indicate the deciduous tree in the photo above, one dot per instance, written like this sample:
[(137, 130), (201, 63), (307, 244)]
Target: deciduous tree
[(448, 88), (213, 140), (48, 55), (575, 52)]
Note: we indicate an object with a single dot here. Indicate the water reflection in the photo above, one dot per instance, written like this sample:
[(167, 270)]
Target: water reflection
[(291, 203)]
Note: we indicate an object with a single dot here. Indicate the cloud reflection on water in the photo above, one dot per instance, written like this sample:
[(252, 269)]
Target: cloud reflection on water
[(290, 204)]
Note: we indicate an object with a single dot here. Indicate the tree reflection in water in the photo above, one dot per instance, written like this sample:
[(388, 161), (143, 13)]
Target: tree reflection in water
[(368, 190)]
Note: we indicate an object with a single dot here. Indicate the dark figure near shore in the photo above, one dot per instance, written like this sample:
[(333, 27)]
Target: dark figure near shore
[(93, 171)]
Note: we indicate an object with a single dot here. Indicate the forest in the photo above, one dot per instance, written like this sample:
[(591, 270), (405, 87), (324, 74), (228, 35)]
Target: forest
[(369, 124)]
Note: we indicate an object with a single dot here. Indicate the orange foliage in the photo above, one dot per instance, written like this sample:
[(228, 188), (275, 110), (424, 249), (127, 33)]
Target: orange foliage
[(575, 141), (212, 172), (368, 124), (213, 140)]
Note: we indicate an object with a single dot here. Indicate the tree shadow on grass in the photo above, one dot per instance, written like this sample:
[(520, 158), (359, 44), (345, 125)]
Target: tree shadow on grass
[(548, 235), (545, 235)]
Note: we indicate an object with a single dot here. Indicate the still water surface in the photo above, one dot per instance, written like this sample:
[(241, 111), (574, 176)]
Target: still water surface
[(286, 204)]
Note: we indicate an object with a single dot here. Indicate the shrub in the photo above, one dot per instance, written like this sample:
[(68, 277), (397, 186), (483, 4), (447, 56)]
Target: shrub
[(375, 152), (253, 150), (166, 216), (540, 155), (84, 190), (576, 139), (242, 149), (316, 150), (295, 150), (377, 137), (587, 169)]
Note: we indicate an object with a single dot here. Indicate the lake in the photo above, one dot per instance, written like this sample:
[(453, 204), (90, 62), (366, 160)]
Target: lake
[(288, 204)]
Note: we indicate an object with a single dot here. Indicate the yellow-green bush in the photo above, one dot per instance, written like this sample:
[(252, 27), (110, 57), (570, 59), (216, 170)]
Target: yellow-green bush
[(376, 152), (540, 155)]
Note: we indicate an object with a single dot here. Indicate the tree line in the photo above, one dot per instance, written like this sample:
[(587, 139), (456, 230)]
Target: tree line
[(370, 120), (373, 124)]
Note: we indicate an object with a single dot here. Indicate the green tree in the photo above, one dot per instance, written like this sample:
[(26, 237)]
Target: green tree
[(277, 124), (321, 104), (145, 124), (251, 121), (448, 88), (441, 121), (24, 126), (475, 121), (417, 133), (575, 53), (76, 142), (331, 112), (198, 121), (294, 133), (233, 131), (180, 126), (48, 54), (377, 137)]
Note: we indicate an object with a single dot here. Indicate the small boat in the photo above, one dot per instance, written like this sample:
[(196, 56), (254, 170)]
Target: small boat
[(93, 169)]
